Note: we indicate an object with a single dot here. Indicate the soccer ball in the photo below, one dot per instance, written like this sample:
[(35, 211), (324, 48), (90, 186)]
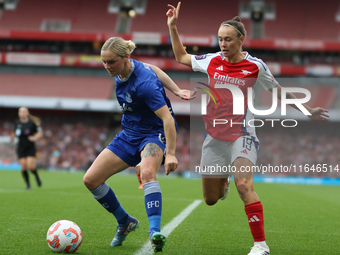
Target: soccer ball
[(64, 236)]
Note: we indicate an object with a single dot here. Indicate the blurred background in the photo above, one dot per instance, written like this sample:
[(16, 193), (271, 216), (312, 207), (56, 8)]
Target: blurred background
[(50, 62)]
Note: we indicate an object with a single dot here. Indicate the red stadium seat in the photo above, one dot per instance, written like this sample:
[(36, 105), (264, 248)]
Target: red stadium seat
[(56, 86), (85, 15), (195, 17), (322, 96), (304, 20), (311, 20)]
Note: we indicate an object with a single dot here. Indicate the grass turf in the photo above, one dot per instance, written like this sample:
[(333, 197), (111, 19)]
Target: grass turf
[(299, 219)]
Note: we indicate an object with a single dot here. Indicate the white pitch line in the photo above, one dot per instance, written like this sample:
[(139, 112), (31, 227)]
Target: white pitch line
[(168, 228)]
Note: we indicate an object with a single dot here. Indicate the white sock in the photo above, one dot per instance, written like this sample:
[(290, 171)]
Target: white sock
[(263, 243)]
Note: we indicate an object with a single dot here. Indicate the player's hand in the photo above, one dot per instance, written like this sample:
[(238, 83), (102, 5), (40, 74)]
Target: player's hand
[(31, 138), (172, 14), (318, 113), (170, 164), (187, 94)]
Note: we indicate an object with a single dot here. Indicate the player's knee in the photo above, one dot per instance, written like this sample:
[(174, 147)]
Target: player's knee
[(148, 175), (89, 182), (23, 166), (243, 188), (86, 181), (210, 200), (31, 168)]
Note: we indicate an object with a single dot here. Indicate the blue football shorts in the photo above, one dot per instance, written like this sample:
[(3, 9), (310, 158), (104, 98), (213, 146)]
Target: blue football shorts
[(128, 148)]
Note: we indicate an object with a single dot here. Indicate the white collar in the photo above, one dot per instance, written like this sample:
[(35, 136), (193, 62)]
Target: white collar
[(127, 77)]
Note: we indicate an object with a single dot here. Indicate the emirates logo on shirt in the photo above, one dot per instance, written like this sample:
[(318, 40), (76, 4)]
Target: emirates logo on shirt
[(229, 80)]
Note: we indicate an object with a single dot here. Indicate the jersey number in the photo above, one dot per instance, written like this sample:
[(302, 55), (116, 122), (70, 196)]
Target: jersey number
[(247, 142)]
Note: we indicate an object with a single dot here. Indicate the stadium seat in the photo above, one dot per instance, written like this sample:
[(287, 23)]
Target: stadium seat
[(56, 86), (85, 15)]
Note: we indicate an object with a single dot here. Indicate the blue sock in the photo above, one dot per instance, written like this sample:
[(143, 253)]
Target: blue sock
[(153, 204), (107, 198)]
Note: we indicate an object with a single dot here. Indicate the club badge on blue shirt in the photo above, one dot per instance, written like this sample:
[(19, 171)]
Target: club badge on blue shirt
[(128, 98)]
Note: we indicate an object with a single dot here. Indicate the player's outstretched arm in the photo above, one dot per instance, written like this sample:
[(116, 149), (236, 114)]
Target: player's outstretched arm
[(317, 113), (172, 86), (180, 53), (171, 162)]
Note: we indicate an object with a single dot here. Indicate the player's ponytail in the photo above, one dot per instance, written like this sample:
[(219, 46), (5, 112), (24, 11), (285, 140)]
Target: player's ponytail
[(35, 119), (237, 18), (131, 46), (119, 46)]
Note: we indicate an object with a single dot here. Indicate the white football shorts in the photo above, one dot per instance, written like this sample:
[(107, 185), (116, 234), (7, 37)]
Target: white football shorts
[(218, 156)]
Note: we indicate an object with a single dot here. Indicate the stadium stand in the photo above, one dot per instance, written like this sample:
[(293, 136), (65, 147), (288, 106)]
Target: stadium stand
[(321, 96), (84, 15), (82, 87), (311, 20), (90, 16), (73, 146), (308, 143), (321, 22), (191, 18), (56, 86), (66, 86), (283, 26)]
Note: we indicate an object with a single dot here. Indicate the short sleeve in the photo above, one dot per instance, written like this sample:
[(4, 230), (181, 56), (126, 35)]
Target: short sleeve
[(200, 63), (265, 78), (35, 128), (151, 94)]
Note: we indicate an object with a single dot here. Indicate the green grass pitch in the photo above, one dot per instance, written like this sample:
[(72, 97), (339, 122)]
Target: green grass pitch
[(299, 219)]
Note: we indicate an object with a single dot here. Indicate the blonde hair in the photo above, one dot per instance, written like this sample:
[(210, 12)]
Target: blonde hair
[(119, 46), (35, 119)]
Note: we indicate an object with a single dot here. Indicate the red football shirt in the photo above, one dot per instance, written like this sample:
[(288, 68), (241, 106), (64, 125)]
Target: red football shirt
[(244, 74)]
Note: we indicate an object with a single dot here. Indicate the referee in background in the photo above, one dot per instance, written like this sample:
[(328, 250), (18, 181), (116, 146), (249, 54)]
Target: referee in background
[(28, 131)]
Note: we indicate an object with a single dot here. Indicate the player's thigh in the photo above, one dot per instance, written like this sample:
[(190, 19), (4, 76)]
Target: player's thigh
[(105, 165), (244, 168), (23, 163), (213, 188), (244, 156), (152, 157), (31, 162)]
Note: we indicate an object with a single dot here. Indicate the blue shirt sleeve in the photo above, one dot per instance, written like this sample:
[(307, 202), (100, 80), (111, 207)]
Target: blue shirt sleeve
[(150, 92)]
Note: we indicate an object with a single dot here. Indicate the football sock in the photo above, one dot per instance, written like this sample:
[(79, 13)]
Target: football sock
[(263, 243), (139, 179), (153, 204), (107, 198), (26, 178), (35, 172), (254, 212)]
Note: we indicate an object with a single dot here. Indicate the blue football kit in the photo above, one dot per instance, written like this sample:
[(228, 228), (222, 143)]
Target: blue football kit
[(139, 96)]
